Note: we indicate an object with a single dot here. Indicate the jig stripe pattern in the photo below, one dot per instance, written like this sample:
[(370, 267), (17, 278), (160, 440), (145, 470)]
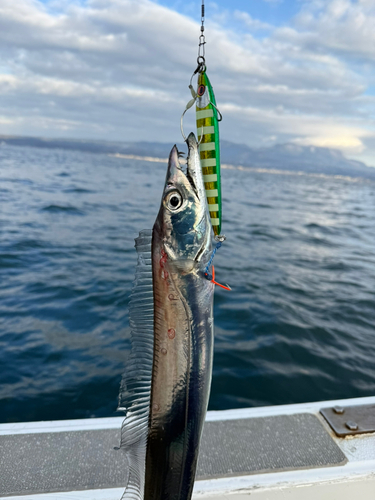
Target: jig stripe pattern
[(209, 149)]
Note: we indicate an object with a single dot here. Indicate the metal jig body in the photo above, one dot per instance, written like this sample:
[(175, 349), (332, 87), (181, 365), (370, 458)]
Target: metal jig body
[(207, 120)]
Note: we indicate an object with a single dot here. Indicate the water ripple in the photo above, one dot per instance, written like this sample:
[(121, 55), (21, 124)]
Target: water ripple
[(300, 256)]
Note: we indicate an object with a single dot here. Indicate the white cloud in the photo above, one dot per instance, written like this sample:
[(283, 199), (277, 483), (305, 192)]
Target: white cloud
[(346, 143), (301, 129), (343, 27), (119, 69), (250, 22)]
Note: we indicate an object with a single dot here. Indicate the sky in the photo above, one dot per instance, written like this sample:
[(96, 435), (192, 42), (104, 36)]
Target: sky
[(298, 71)]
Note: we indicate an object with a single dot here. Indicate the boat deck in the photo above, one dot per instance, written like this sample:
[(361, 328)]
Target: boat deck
[(263, 452)]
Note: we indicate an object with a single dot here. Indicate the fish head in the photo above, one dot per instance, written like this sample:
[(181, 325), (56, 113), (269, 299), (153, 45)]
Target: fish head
[(183, 224)]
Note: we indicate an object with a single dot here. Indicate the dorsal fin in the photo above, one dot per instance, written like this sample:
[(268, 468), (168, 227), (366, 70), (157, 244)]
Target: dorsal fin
[(135, 390)]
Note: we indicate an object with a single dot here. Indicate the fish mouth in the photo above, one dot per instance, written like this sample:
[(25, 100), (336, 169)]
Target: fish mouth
[(191, 176), (191, 141), (188, 184), (194, 171), (174, 155), (192, 184)]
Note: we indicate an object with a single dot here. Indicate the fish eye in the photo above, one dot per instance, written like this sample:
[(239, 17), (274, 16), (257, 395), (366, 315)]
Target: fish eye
[(173, 200)]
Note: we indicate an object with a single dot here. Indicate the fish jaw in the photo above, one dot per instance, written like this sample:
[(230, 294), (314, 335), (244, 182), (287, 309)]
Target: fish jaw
[(194, 170), (185, 230)]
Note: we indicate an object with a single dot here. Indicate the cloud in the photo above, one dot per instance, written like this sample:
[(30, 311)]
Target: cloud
[(346, 143), (250, 22), (266, 125), (343, 27), (120, 69)]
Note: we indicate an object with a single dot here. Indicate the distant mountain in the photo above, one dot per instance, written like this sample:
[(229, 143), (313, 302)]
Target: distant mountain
[(156, 149), (281, 156), (294, 157)]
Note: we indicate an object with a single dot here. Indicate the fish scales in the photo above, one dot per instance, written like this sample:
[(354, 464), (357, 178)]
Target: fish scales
[(180, 389), (180, 371)]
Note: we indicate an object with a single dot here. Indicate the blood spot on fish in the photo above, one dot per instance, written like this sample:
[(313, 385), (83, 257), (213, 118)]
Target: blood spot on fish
[(163, 350), (163, 259), (171, 333), (164, 274), (155, 407)]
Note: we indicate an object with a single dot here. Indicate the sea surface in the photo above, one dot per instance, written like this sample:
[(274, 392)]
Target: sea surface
[(298, 326)]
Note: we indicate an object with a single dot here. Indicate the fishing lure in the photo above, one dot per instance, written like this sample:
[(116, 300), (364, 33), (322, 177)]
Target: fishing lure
[(208, 117)]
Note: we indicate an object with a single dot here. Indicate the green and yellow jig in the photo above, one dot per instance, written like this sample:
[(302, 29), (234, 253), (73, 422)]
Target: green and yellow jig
[(207, 117)]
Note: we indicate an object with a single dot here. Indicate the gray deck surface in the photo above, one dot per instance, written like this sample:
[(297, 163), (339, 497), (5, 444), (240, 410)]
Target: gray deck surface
[(79, 460)]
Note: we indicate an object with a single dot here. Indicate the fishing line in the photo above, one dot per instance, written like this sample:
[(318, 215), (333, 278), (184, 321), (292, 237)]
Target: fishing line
[(202, 40)]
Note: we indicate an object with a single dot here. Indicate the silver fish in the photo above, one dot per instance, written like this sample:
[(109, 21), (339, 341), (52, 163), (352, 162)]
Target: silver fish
[(166, 386)]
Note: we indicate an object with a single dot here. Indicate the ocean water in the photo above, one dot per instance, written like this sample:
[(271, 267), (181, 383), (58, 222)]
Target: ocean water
[(300, 257)]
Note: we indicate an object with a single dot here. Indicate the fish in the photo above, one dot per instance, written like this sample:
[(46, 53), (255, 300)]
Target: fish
[(165, 388), (207, 119)]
